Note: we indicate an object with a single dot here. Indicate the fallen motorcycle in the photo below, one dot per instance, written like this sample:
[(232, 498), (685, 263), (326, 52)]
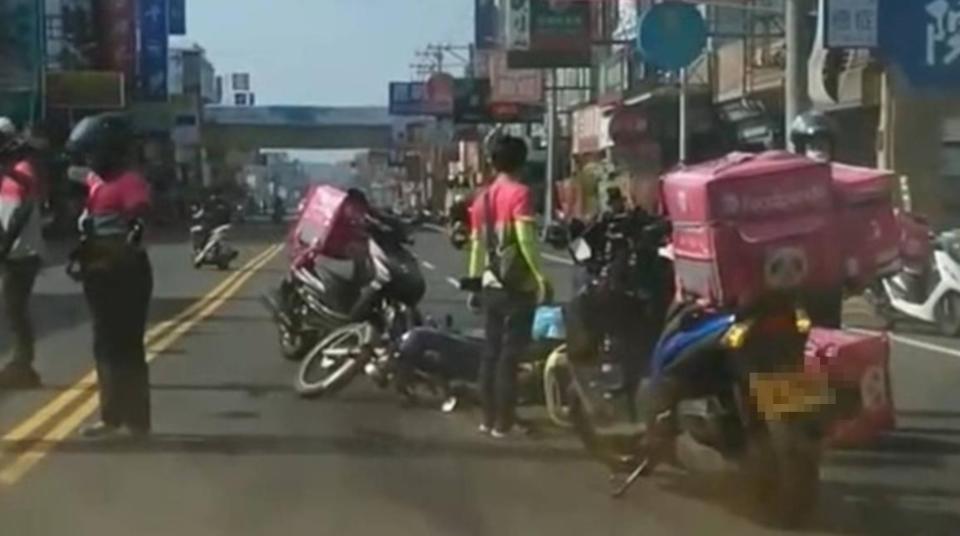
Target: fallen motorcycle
[(213, 248)]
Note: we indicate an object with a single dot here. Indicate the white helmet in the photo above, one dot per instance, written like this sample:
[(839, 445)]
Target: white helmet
[(7, 128)]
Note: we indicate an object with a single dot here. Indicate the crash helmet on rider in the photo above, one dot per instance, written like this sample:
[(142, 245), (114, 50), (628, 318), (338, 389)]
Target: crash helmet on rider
[(104, 142), (814, 134)]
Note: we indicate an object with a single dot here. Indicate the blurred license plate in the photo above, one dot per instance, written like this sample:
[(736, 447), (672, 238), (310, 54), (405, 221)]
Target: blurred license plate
[(781, 394)]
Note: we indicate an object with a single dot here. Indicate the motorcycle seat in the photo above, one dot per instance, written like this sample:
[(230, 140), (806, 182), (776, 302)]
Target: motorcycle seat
[(337, 289)]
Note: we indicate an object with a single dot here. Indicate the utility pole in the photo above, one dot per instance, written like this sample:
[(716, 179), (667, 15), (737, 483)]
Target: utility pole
[(795, 82), (552, 107)]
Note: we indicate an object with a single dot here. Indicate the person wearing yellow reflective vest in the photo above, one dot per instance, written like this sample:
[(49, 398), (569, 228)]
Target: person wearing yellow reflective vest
[(505, 259)]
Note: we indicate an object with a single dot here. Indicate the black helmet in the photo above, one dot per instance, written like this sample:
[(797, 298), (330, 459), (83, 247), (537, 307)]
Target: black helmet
[(103, 140), (812, 124)]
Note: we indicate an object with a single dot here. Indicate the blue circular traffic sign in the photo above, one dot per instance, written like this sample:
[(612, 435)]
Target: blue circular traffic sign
[(671, 35)]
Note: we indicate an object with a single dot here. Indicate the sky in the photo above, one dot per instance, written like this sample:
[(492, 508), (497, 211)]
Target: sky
[(324, 52)]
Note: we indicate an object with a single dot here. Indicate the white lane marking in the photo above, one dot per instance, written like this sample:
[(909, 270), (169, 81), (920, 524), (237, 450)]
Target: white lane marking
[(557, 258), (908, 341), (454, 282), (433, 227), (428, 265)]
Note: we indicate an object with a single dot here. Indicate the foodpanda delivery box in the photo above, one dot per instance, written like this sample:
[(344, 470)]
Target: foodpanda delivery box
[(858, 368), (329, 223), (749, 224), (866, 223)]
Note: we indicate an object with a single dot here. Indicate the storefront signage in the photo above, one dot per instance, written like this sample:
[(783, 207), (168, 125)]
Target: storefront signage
[(851, 23), (518, 86), (518, 16), (98, 90), (438, 95), (178, 17), (153, 60), (118, 44), (587, 129), (922, 37), (485, 24), (548, 33), (481, 62), (629, 125), (20, 50), (407, 98), (472, 105), (614, 77)]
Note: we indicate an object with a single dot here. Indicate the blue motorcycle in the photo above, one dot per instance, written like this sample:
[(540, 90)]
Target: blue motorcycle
[(740, 401)]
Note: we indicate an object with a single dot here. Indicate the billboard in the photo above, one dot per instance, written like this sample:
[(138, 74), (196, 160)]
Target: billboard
[(519, 86), (438, 95), (485, 24), (433, 97), (407, 98), (178, 17), (118, 44), (153, 60), (20, 46), (544, 34), (96, 90), (472, 105)]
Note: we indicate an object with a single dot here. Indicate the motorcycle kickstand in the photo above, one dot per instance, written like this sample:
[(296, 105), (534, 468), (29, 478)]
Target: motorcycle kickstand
[(642, 469)]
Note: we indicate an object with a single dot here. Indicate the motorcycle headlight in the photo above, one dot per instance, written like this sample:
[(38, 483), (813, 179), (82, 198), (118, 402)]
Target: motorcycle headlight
[(804, 324), (737, 335)]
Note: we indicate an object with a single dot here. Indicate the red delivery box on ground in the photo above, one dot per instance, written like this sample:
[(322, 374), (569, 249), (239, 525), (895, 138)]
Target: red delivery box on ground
[(858, 368), (749, 224), (330, 222), (866, 223)]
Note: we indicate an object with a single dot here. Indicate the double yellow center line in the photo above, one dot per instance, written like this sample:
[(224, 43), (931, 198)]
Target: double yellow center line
[(60, 417)]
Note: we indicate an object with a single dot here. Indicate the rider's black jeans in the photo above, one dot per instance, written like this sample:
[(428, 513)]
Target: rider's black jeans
[(119, 297), (509, 320), (19, 276)]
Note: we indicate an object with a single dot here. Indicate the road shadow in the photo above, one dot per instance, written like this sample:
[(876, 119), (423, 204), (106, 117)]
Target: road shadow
[(55, 313), (844, 508), (361, 444)]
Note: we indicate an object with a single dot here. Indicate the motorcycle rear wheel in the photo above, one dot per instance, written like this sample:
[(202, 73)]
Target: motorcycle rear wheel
[(339, 358), (783, 469)]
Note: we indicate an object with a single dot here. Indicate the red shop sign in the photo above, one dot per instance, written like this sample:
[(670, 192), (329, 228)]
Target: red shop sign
[(629, 125)]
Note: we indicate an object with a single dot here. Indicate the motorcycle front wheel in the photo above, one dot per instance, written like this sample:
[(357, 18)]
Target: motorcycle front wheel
[(332, 363)]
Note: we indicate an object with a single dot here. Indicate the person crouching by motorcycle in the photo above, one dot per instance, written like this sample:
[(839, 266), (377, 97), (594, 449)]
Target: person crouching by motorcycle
[(623, 292), (505, 261), (115, 270), (814, 134)]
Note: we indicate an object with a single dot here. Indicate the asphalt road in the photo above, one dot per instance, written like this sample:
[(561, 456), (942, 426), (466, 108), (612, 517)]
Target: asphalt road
[(235, 452)]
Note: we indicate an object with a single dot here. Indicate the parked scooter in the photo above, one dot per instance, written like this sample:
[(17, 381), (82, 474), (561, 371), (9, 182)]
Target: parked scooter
[(928, 290), (211, 246)]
